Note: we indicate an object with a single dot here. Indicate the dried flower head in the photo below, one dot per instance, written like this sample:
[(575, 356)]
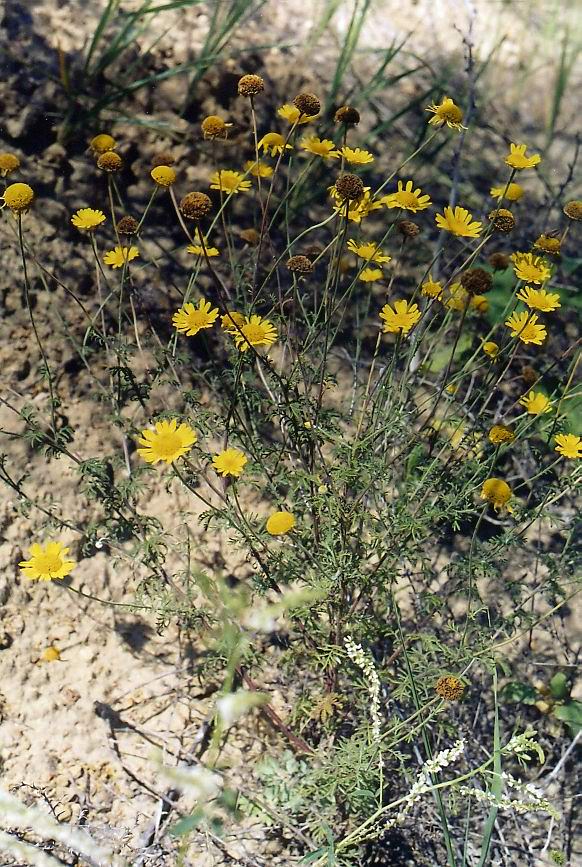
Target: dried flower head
[(110, 162), (349, 187), (528, 374), (163, 158), (499, 261), (280, 523), (300, 265), (8, 164), (18, 197), (548, 244), (167, 443), (450, 687), (47, 562), (308, 104), (503, 220), (250, 85), (214, 127), (87, 219), (127, 226), (195, 206), (102, 143), (573, 209), (500, 433), (476, 281), (164, 176), (348, 115), (408, 228)]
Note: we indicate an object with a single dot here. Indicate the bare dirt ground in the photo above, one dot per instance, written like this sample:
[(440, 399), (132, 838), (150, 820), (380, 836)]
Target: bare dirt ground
[(83, 732)]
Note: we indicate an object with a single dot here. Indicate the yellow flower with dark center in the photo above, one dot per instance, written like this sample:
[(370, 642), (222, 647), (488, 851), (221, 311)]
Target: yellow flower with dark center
[(525, 327), (102, 143), (400, 318), (459, 222), (8, 164), (500, 433), (450, 688), (517, 158), (168, 442), (490, 348), (432, 289), (87, 219), (232, 320), (356, 156), (497, 492), (407, 198), (549, 244), (117, 257), (530, 268), (256, 331), (446, 112), (47, 562), (230, 462), (513, 193), (369, 251), (229, 182), (324, 148), (164, 176), (258, 169), (370, 275), (357, 209), (292, 115), (456, 297), (190, 319), (273, 143), (18, 197), (536, 403), (280, 523), (539, 299), (569, 446)]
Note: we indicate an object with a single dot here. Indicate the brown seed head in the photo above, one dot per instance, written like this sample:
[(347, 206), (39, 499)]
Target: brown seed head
[(250, 85), (110, 162), (529, 375), (347, 115), (476, 281), (349, 187), (127, 226), (194, 206), (450, 688), (503, 220), (251, 236), (214, 127), (407, 228), (573, 209), (307, 103), (300, 265), (164, 158), (499, 261)]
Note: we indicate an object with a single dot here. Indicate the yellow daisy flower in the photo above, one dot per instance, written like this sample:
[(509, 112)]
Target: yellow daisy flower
[(401, 318), (500, 433), (370, 275), (539, 299), (513, 193), (369, 251), (456, 297), (446, 112), (549, 244), (569, 446), (497, 492), (407, 198), (87, 219), (229, 182), (432, 289), (258, 169), (292, 115), (232, 320), (198, 250), (459, 222), (117, 257), (167, 443), (273, 143), (324, 148), (357, 210), (47, 562), (230, 462), (525, 327), (280, 523), (517, 159), (536, 403), (490, 348), (356, 156), (190, 319), (256, 331), (530, 268)]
